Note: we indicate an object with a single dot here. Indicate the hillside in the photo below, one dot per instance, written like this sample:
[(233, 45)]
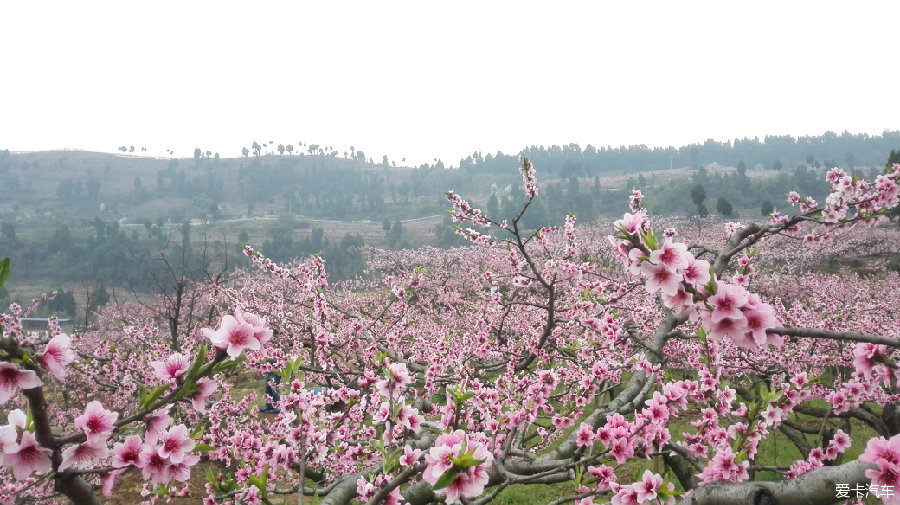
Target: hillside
[(74, 217)]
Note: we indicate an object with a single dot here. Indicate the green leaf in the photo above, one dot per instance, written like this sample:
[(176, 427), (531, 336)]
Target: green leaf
[(199, 360), (187, 389), (650, 240), (25, 359), (226, 485), (154, 395), (466, 460), (199, 429), (390, 462), (446, 479), (228, 364), (461, 397), (711, 287), (287, 372), (204, 448), (264, 479), (5, 268)]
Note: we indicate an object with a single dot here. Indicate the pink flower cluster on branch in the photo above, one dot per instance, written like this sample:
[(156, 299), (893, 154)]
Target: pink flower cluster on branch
[(688, 284), (163, 455), (850, 202), (529, 181), (458, 465), (885, 455)]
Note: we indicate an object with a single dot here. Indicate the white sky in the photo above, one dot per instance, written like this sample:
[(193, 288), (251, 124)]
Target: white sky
[(421, 79)]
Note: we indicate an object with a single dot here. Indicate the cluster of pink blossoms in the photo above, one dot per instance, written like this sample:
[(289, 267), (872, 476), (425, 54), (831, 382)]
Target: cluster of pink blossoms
[(885, 455), (687, 283), (397, 378), (871, 362), (462, 211), (174, 367), (164, 455), (239, 332), (848, 195), (460, 453), (741, 316), (18, 446), (54, 358), (571, 239), (19, 449), (365, 490), (309, 274), (817, 457), (648, 490), (724, 466), (529, 181)]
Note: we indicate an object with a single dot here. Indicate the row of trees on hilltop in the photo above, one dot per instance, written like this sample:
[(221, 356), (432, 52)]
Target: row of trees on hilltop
[(773, 152), (738, 192), (326, 185)]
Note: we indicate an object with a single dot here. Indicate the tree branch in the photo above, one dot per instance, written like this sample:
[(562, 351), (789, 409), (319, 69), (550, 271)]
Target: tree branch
[(815, 488), (853, 336)]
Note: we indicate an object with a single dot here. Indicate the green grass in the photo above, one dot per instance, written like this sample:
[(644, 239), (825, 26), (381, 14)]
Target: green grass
[(520, 494), (775, 450)]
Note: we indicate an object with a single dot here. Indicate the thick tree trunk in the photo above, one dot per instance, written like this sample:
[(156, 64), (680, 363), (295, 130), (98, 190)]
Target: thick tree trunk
[(72, 486), (815, 488), (891, 417), (76, 489)]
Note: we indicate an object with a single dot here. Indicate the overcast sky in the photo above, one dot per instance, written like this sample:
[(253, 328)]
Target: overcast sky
[(421, 79)]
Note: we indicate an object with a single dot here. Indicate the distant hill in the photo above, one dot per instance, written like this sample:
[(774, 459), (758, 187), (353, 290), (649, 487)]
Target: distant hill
[(70, 218), (74, 184)]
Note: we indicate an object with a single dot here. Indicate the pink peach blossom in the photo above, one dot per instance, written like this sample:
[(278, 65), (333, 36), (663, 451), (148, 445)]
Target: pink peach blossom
[(13, 378), (175, 443), (673, 256), (173, 367), (83, 455), (29, 458), (129, 452), (96, 422), (233, 335), (205, 388), (261, 330), (57, 355), (660, 278), (727, 302)]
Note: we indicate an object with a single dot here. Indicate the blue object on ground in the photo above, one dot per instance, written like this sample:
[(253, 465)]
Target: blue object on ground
[(272, 393)]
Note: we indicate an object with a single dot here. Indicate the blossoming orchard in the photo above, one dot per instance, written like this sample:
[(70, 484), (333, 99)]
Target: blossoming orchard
[(637, 363)]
